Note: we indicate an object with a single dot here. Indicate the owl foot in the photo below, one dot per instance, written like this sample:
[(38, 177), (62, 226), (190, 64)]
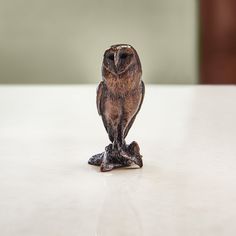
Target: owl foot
[(132, 153), (113, 158)]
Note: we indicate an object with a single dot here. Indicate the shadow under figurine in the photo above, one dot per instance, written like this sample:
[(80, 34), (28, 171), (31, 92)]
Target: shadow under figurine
[(119, 98)]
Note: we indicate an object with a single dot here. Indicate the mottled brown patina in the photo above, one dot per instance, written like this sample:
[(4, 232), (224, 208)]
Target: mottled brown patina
[(119, 98)]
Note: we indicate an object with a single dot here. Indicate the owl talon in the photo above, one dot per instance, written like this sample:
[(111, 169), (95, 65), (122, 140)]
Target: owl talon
[(136, 158)]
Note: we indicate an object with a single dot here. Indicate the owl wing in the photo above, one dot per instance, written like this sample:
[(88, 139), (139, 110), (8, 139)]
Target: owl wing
[(100, 91), (100, 107), (140, 104)]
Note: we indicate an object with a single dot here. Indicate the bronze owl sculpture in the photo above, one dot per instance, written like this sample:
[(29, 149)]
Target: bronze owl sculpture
[(119, 98)]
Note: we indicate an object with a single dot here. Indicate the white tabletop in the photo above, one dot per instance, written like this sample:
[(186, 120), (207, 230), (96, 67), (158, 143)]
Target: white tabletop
[(187, 185)]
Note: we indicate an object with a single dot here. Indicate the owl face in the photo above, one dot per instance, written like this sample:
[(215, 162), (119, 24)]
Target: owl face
[(119, 59)]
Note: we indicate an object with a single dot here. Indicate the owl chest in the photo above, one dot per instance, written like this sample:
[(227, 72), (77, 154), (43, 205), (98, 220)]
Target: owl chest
[(119, 110), (120, 87)]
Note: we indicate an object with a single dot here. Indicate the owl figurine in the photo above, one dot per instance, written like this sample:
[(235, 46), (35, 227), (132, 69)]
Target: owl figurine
[(119, 98)]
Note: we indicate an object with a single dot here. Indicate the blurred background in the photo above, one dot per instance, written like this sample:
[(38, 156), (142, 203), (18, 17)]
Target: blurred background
[(62, 41)]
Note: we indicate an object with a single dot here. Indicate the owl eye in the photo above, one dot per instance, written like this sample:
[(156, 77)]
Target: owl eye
[(111, 57), (123, 55)]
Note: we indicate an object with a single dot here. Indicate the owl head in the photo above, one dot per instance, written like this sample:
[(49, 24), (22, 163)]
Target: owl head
[(120, 59)]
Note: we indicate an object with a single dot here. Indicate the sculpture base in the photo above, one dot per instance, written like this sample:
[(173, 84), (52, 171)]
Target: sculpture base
[(113, 158)]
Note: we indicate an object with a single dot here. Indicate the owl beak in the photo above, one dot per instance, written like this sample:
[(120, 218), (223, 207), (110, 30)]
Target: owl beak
[(116, 60)]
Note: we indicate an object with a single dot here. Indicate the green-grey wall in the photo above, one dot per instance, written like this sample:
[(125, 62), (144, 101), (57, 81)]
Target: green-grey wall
[(55, 41)]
